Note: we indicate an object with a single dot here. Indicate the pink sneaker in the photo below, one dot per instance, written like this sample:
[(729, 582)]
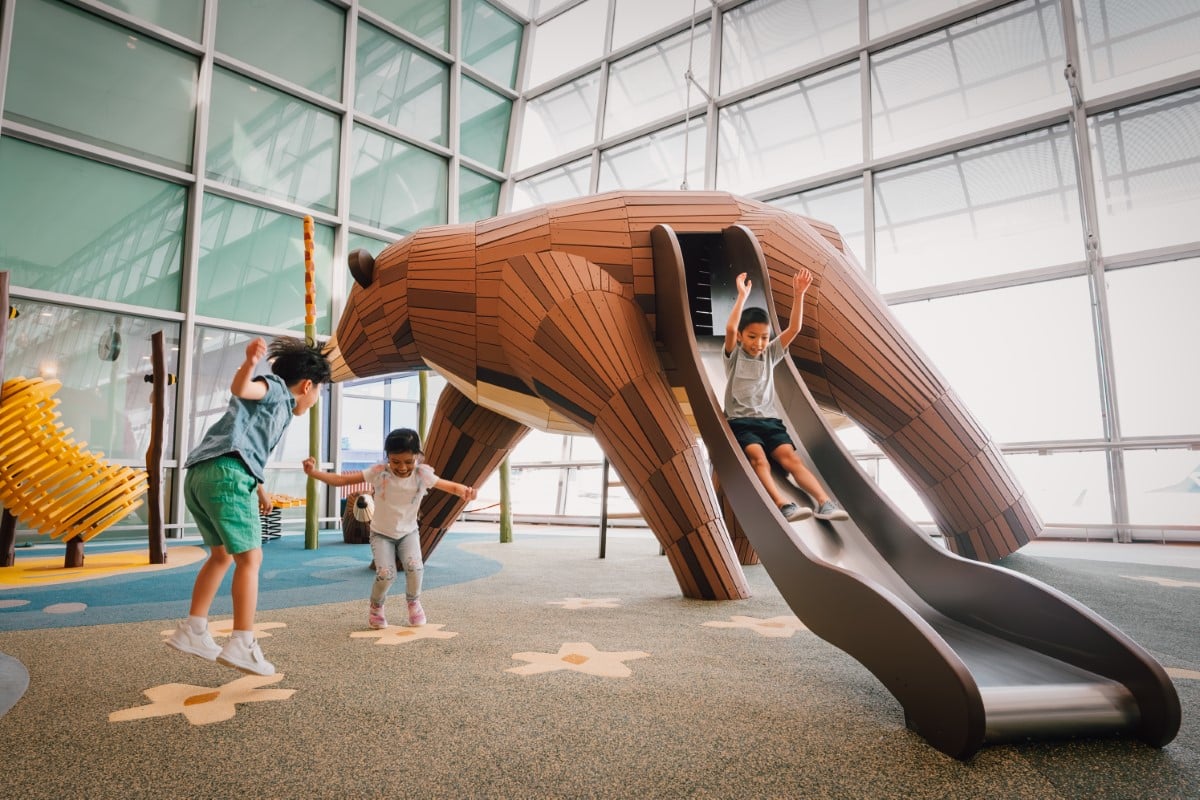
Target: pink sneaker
[(416, 614), (375, 617)]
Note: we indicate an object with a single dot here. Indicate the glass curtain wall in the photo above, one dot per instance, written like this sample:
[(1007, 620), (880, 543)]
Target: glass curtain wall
[(157, 160), (1019, 179)]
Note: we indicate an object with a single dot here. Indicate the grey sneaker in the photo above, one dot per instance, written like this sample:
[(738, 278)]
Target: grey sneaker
[(831, 510), (793, 512), (245, 658), (197, 644)]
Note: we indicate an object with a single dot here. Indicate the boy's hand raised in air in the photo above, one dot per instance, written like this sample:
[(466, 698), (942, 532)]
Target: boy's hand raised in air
[(743, 286), (801, 281)]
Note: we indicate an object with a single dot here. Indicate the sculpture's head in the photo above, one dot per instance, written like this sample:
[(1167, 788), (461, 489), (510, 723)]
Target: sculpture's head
[(374, 334)]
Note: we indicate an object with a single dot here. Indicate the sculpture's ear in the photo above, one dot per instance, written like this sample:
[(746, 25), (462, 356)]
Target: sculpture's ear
[(362, 267)]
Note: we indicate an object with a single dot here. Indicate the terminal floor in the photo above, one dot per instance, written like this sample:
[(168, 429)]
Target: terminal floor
[(544, 671)]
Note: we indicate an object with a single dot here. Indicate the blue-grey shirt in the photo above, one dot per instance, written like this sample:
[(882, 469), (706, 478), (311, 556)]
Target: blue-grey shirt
[(250, 429)]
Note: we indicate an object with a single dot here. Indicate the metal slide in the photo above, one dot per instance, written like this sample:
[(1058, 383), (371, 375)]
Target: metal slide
[(975, 653)]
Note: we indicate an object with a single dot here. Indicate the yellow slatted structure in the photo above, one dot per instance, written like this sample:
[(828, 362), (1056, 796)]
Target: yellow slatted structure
[(51, 482)]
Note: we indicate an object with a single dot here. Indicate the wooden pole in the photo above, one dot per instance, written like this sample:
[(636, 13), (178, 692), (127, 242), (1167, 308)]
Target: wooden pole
[(314, 420), (506, 533), (158, 400)]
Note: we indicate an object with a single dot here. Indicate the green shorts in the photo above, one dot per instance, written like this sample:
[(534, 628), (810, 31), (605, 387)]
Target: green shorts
[(223, 499)]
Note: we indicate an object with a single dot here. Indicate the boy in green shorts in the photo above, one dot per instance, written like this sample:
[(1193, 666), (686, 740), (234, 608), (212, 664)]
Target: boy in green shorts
[(225, 472)]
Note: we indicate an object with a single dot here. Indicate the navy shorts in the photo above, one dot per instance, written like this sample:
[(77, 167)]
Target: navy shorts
[(768, 432)]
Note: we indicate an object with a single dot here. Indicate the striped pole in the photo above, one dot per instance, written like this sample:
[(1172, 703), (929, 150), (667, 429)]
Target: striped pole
[(314, 419)]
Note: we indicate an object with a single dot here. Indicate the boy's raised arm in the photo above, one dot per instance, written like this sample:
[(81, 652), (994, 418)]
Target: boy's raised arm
[(743, 291), (800, 283), (243, 384)]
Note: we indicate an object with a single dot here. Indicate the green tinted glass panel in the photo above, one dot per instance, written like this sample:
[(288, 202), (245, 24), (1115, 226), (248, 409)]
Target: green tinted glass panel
[(300, 41), (483, 133), (79, 227), (491, 41), (356, 241), (478, 196), (402, 86), (185, 17), (395, 186), (75, 74), (252, 266), (103, 400), (269, 142), (428, 19)]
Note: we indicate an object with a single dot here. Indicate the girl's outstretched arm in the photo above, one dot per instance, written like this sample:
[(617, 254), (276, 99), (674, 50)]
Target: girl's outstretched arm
[(460, 489), (331, 478)]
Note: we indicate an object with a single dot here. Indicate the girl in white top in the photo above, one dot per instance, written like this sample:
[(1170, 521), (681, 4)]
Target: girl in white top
[(399, 485)]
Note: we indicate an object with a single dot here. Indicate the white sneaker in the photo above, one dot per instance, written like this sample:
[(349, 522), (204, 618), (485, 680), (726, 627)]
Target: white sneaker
[(245, 658), (197, 644)]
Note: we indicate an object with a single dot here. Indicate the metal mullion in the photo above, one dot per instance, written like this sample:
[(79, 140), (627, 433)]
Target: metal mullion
[(139, 25), (7, 13), (365, 121), (95, 304), (988, 283), (279, 84), (1109, 409), (341, 231), (515, 121), (487, 81), (711, 131), (454, 134), (601, 98), (269, 203), (191, 261), (367, 15), (103, 155)]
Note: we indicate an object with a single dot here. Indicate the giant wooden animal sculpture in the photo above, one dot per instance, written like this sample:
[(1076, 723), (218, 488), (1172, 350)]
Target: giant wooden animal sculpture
[(546, 319)]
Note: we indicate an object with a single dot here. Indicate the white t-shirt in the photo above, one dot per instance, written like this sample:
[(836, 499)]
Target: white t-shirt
[(397, 500)]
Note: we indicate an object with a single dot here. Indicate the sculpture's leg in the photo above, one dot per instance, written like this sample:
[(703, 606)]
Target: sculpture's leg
[(465, 444), (587, 350)]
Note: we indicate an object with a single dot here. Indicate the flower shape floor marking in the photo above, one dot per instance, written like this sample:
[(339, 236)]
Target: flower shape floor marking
[(778, 627), (578, 657), (575, 603), (399, 634), (1186, 674), (224, 627), (204, 705)]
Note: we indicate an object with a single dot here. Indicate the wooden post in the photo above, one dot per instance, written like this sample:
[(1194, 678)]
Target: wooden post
[(506, 533), (158, 400), (603, 506), (74, 554), (8, 539), (314, 421)]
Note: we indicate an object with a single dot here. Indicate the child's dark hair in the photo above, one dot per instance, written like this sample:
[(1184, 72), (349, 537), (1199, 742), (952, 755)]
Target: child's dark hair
[(402, 440), (752, 315), (294, 360)]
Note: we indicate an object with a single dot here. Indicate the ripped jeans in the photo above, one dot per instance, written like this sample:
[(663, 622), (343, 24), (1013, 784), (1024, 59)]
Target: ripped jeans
[(392, 554)]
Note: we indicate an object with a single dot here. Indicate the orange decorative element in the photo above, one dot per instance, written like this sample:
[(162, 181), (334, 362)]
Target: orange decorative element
[(51, 482), (546, 319), (310, 289)]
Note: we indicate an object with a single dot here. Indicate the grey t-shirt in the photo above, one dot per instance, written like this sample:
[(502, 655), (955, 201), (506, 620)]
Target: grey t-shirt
[(750, 382), (250, 429)]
